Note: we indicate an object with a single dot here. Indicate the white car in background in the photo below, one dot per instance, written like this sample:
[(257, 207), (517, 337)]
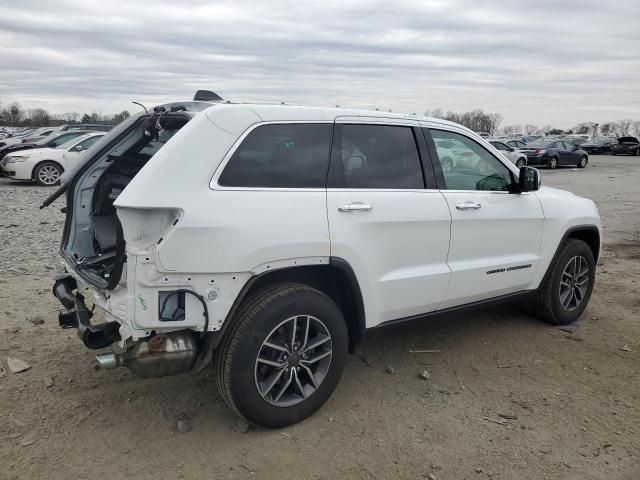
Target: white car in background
[(45, 165), (515, 156)]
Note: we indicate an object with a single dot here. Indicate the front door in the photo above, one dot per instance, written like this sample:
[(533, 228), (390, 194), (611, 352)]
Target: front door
[(384, 221), (495, 234)]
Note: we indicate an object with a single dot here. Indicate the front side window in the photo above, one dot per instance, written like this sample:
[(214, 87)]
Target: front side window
[(500, 146), (62, 139), (294, 155), (377, 157), (85, 144), (466, 165)]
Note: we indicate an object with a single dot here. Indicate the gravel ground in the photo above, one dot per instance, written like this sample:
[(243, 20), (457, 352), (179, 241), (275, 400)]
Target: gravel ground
[(506, 397)]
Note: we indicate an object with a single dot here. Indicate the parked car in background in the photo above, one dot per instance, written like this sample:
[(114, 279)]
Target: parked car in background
[(518, 158), (600, 145), (38, 134), (484, 134), (17, 137), (51, 141), (555, 152), (626, 146), (517, 144), (86, 126), (45, 165)]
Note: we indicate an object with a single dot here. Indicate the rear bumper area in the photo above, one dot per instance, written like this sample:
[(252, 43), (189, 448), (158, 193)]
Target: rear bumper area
[(77, 315)]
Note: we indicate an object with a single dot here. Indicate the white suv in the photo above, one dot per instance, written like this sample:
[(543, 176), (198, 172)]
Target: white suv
[(268, 238)]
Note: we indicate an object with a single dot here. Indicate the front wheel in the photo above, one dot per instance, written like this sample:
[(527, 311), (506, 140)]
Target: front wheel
[(47, 174), (583, 161), (566, 289), (552, 163), (283, 356), (520, 163)]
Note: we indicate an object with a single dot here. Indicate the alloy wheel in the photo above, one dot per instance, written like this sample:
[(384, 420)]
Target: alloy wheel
[(574, 283), (48, 175), (293, 361)]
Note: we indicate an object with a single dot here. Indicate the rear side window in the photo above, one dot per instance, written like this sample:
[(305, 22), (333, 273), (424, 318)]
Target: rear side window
[(281, 156), (376, 156)]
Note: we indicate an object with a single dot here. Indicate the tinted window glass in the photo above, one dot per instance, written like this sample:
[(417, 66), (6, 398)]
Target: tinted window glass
[(281, 156), (376, 156), (62, 139), (89, 141), (466, 165), (500, 146)]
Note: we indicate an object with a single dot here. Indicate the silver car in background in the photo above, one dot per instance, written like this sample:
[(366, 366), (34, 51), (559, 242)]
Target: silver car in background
[(514, 155)]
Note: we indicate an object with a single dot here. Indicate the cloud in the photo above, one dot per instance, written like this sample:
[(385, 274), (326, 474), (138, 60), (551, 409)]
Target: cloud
[(557, 62)]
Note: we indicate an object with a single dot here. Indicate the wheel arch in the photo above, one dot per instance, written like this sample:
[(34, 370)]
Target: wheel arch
[(590, 234), (35, 167), (336, 279)]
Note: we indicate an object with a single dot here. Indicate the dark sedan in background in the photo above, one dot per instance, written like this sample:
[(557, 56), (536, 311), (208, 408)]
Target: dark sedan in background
[(599, 145), (554, 152), (627, 146)]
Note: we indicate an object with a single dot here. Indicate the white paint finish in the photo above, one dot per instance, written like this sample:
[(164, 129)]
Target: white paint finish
[(398, 250), (562, 210), (506, 231), (237, 230)]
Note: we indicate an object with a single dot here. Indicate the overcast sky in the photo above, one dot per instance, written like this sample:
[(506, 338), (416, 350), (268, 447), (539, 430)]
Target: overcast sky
[(543, 62)]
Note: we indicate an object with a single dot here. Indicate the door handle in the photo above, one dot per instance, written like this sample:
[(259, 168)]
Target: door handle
[(354, 207), (468, 206)]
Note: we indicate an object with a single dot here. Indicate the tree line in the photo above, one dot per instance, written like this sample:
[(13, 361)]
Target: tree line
[(14, 115)]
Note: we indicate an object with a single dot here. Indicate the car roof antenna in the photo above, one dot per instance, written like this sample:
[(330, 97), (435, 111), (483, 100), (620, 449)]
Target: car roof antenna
[(145, 108), (206, 96)]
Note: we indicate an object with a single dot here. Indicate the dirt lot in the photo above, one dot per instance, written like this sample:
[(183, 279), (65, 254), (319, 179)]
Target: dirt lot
[(508, 397)]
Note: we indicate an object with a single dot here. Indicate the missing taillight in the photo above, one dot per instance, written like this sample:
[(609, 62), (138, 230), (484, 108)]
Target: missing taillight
[(171, 306)]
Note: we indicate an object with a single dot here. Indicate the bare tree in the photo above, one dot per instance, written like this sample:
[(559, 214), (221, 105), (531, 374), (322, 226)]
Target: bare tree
[(39, 117), (624, 127), (636, 128), (69, 117)]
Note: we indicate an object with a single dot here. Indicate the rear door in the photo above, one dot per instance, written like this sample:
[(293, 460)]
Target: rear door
[(386, 218), (495, 234)]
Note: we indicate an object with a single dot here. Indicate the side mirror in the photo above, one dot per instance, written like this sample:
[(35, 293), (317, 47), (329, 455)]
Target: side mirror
[(529, 179), (78, 148)]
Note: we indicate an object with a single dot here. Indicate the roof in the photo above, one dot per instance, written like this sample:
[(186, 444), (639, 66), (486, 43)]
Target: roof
[(286, 112)]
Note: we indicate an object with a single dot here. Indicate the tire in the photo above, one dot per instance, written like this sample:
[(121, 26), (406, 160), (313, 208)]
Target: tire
[(552, 163), (583, 161), (268, 315), (47, 174), (520, 163), (551, 299)]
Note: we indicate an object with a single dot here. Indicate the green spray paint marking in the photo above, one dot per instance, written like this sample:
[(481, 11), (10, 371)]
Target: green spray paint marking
[(142, 302)]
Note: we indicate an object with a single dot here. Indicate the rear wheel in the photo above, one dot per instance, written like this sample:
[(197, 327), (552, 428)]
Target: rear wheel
[(520, 163), (47, 174), (284, 355), (552, 163), (567, 287), (583, 161)]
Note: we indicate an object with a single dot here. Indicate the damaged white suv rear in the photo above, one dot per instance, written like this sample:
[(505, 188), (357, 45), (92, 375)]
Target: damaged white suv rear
[(267, 238)]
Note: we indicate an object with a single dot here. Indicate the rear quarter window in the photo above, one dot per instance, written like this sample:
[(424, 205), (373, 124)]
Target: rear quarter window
[(280, 156)]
